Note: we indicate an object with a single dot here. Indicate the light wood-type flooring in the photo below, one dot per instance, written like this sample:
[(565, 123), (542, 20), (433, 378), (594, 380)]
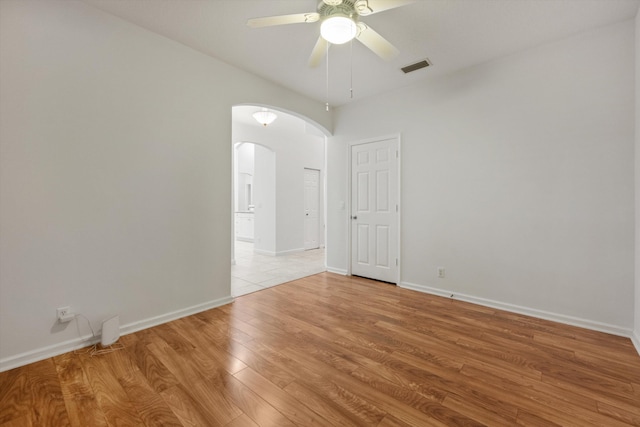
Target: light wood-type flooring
[(330, 350)]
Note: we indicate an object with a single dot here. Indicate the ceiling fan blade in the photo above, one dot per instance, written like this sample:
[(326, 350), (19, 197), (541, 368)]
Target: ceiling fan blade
[(374, 41), (318, 52), (268, 21), (369, 7)]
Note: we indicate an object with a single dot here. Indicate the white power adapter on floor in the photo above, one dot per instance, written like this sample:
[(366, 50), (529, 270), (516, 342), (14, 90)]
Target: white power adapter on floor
[(110, 331)]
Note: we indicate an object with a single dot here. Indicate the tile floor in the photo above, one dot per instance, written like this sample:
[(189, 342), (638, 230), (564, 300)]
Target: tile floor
[(254, 272)]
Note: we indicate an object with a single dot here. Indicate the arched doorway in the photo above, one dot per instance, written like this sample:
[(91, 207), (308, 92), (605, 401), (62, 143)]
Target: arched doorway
[(270, 196)]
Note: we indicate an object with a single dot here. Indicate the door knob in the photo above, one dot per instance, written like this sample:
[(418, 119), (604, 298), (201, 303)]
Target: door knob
[(354, 217)]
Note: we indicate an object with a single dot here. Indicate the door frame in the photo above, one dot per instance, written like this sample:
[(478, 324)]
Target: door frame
[(398, 138)]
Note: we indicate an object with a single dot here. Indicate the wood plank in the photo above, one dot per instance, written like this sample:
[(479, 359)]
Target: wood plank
[(79, 397), (278, 375), (622, 371), (628, 403), (23, 421), (350, 410), (212, 397), (242, 421), (610, 346), (401, 402), (288, 405), (207, 346), (254, 406), (626, 416), (531, 420), (332, 401), (188, 410), (391, 421), (481, 412), (109, 394), (49, 407), (313, 375), (156, 373), (546, 401), (183, 369), (16, 398), (151, 407)]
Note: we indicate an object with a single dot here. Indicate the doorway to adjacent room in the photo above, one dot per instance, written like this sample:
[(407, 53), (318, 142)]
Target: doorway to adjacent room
[(278, 201)]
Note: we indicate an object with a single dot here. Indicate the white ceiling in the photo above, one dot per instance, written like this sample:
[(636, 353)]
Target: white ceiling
[(452, 34)]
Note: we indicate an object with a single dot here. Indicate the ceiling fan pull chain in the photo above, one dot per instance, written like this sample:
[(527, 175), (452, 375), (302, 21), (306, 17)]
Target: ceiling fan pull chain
[(327, 86), (351, 82)]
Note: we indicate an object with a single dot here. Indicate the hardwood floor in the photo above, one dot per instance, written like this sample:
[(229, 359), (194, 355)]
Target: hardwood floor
[(330, 350)]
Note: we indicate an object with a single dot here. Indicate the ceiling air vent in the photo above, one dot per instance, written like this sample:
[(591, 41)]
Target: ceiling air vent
[(418, 65)]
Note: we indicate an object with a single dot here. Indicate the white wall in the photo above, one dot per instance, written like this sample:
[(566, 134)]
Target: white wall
[(115, 173), (264, 191), (636, 335), (517, 177), (294, 150), (244, 160)]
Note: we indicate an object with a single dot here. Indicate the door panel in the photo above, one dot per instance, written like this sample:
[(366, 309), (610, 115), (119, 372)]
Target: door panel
[(382, 246), (382, 191), (363, 244), (363, 192), (374, 217)]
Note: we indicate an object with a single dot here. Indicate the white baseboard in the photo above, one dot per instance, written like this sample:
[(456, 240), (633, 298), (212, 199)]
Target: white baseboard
[(168, 317), (340, 271), (635, 339), (46, 352), (290, 251), (541, 314), (74, 344), (280, 253), (263, 252)]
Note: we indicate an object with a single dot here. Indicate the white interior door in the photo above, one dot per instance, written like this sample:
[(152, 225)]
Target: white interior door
[(311, 208), (374, 210)]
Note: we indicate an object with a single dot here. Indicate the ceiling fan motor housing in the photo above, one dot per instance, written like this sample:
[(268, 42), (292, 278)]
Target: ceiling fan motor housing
[(341, 8)]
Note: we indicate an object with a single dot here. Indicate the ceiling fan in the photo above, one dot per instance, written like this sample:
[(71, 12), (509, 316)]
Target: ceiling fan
[(340, 22)]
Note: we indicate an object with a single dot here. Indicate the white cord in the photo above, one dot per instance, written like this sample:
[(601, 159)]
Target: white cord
[(93, 349), (106, 350), (93, 334)]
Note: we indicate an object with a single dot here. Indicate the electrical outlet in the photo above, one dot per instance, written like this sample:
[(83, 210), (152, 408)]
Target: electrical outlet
[(441, 272), (64, 314)]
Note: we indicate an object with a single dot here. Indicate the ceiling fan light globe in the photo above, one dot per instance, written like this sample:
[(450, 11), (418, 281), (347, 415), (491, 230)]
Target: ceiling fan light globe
[(338, 29)]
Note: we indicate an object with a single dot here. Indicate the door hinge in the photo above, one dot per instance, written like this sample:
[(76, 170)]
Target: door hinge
[(396, 154), (396, 208), (396, 262)]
